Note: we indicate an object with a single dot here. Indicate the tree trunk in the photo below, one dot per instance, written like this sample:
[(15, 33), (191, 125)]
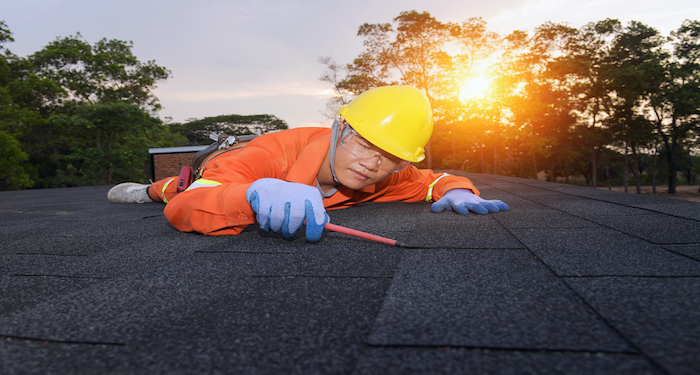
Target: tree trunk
[(552, 169), (495, 160), (670, 143), (521, 167), (509, 161), (594, 174), (635, 168), (672, 168), (607, 176), (534, 163), (653, 174), (625, 174), (690, 166), (454, 150), (482, 167)]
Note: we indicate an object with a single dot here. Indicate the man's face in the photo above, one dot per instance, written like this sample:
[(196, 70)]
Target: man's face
[(359, 163)]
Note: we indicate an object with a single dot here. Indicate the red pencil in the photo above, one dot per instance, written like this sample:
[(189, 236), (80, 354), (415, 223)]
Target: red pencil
[(357, 233)]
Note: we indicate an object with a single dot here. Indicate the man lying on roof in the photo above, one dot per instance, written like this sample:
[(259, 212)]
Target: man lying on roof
[(282, 179)]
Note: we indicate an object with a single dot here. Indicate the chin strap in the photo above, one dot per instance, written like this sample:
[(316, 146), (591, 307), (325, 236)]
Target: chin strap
[(335, 129)]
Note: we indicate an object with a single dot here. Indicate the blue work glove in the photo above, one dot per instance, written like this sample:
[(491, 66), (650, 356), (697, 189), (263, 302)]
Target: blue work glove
[(463, 200), (282, 207)]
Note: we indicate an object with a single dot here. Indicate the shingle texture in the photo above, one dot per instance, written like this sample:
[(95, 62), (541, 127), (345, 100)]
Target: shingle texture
[(571, 280)]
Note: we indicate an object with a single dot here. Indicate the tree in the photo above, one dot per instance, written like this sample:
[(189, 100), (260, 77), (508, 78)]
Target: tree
[(115, 139), (634, 74), (14, 169), (198, 131), (341, 95), (107, 71), (458, 113), (12, 159), (583, 65), (542, 102), (676, 105)]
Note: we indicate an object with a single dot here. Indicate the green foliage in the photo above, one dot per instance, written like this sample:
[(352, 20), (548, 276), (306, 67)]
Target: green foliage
[(198, 131), (166, 136), (104, 72), (5, 34), (113, 141), (12, 164), (411, 54)]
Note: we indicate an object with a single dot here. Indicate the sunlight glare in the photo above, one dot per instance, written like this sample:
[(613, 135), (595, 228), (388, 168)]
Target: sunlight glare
[(474, 88)]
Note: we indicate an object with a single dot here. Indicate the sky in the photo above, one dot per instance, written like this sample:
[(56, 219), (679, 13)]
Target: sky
[(261, 56)]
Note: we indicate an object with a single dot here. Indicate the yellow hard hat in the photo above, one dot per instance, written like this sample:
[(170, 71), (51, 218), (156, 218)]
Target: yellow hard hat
[(397, 119)]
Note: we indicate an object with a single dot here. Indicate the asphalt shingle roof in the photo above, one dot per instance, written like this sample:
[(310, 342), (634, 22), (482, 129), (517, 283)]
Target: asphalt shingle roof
[(570, 280)]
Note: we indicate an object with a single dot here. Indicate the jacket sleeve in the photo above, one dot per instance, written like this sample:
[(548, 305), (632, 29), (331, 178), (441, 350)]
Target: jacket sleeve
[(413, 185), (216, 204)]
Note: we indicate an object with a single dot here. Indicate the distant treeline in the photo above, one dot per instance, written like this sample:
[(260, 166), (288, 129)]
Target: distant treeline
[(603, 101)]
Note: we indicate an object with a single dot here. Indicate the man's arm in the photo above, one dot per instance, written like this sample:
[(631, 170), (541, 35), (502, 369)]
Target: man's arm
[(414, 185), (216, 204), (445, 191)]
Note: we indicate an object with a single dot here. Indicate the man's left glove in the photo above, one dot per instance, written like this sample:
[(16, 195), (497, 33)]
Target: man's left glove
[(463, 200), (282, 207)]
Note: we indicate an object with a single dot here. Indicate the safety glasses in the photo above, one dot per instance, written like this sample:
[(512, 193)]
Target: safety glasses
[(361, 148)]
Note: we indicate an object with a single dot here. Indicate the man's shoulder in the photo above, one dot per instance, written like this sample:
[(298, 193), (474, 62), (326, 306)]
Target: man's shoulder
[(309, 130)]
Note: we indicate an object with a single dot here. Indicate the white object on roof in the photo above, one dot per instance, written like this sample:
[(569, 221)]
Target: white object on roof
[(175, 150)]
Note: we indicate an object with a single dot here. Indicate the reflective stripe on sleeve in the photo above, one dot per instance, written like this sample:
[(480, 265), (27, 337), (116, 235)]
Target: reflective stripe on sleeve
[(431, 186), (203, 183), (165, 186)]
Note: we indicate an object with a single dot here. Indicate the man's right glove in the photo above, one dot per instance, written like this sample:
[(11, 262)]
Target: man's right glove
[(282, 207), (463, 200)]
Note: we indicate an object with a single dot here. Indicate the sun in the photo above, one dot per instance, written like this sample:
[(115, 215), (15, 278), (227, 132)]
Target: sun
[(474, 88)]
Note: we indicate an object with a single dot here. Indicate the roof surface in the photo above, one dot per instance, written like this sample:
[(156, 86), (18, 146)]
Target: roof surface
[(570, 280)]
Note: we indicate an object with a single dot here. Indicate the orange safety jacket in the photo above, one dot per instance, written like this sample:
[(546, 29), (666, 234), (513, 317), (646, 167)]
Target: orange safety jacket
[(216, 204)]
